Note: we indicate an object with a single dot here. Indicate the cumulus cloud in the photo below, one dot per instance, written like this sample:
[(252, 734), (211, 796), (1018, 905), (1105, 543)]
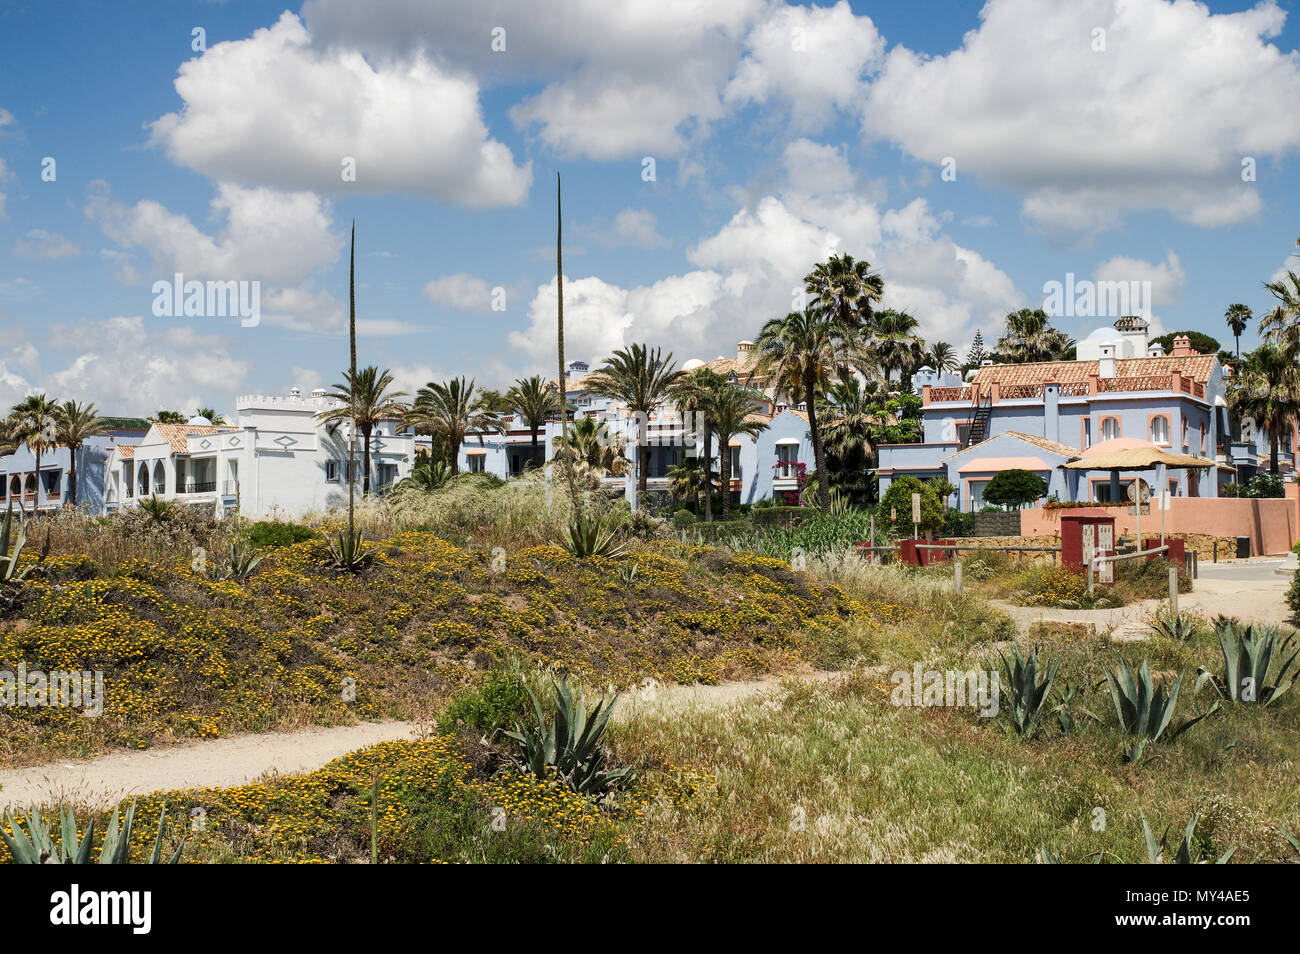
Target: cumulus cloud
[(40, 244), (276, 110), (179, 366), (752, 268), (1167, 278), (460, 292), (636, 227), (1160, 119)]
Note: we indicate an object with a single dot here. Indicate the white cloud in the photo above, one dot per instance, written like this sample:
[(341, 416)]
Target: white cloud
[(176, 367), (277, 237), (1167, 278), (274, 110), (460, 292), (752, 268), (636, 227), (1159, 120), (40, 244), (810, 59)]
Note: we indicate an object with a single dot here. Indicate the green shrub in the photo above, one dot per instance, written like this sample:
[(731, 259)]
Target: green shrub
[(899, 498), (1014, 488), (683, 519), (498, 702), (269, 534)]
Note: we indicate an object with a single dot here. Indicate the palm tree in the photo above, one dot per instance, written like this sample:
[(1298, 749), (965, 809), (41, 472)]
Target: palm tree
[(943, 357), (1237, 317), (537, 401), (853, 416), (691, 396), (1267, 388), (1029, 336), (845, 289), (690, 478), (642, 381), (34, 421), (590, 443), (798, 353), (211, 416), (76, 422), (169, 417), (452, 409), (1282, 324), (366, 400), (730, 414), (895, 344)]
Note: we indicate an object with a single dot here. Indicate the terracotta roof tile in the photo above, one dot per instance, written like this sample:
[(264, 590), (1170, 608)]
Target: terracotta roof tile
[(176, 434), (1199, 367), (1065, 450)]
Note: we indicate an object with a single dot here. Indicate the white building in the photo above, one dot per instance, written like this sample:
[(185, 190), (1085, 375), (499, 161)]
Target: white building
[(276, 460)]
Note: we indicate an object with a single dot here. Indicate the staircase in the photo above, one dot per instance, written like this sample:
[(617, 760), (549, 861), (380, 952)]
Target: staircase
[(979, 422)]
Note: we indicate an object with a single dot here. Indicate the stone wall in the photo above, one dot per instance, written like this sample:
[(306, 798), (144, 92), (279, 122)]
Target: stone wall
[(997, 523)]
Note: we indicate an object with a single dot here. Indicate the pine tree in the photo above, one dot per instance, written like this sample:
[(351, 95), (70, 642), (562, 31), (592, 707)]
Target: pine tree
[(976, 354)]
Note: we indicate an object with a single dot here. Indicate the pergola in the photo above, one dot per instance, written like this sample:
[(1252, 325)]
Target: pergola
[(1137, 456)]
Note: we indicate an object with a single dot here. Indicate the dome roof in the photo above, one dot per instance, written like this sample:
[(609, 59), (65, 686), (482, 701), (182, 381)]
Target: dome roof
[(1102, 333), (199, 421), (692, 364)]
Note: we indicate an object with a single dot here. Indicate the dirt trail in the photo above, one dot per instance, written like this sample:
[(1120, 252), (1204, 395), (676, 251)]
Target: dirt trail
[(104, 780)]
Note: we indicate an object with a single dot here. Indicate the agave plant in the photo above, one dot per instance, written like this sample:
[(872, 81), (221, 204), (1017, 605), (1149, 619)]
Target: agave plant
[(1185, 854), (1028, 694), (1179, 627), (571, 745), (593, 535), (9, 572), (36, 847), (1248, 654), (1145, 708), (243, 561), (348, 552)]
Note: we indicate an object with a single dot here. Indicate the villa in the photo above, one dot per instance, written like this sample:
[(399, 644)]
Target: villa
[(278, 459), (1121, 392), (27, 490)]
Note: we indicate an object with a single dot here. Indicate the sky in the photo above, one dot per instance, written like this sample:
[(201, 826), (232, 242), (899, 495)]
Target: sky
[(711, 153)]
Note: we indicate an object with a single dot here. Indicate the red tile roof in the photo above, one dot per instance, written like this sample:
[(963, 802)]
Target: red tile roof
[(1199, 367), (176, 434)]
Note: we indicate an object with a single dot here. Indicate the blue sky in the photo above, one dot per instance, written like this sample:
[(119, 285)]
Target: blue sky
[(779, 133)]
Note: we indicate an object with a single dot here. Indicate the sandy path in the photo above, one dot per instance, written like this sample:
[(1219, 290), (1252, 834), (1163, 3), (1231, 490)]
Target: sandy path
[(104, 780)]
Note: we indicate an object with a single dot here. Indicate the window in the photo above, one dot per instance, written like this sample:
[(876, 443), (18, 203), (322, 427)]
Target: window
[(476, 463), (975, 489), (1101, 491), (1109, 428), (1160, 429), (1173, 488), (735, 463), (51, 480), (331, 470), (787, 455), (1087, 433), (1186, 431)]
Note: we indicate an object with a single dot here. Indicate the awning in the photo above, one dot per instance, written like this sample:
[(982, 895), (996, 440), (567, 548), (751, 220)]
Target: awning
[(993, 465), (475, 451), (1138, 458), (786, 441)]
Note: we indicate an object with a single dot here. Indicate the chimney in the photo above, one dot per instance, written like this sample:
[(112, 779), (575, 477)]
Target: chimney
[(1157, 350), (295, 392), (1106, 363), (318, 392), (743, 351), (1182, 347)]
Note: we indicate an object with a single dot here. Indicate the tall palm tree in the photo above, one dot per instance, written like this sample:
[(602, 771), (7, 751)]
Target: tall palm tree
[(845, 289), (34, 421), (590, 444), (1029, 336), (895, 344), (1267, 388), (169, 417), (367, 400), (853, 417), (1238, 317), (642, 381), (691, 395), (76, 422), (798, 353), (452, 409), (943, 357), (691, 478), (537, 401), (1282, 324), (730, 415)]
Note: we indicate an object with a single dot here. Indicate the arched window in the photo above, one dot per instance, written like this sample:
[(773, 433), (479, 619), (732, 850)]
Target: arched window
[(143, 482), (1109, 428), (1160, 429), (29, 485), (159, 478)]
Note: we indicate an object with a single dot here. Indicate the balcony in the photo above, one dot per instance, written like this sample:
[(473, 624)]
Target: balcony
[(197, 487)]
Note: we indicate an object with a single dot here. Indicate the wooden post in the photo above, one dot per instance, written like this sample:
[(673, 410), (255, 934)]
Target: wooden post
[(1090, 574), (956, 577), (1173, 589)]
